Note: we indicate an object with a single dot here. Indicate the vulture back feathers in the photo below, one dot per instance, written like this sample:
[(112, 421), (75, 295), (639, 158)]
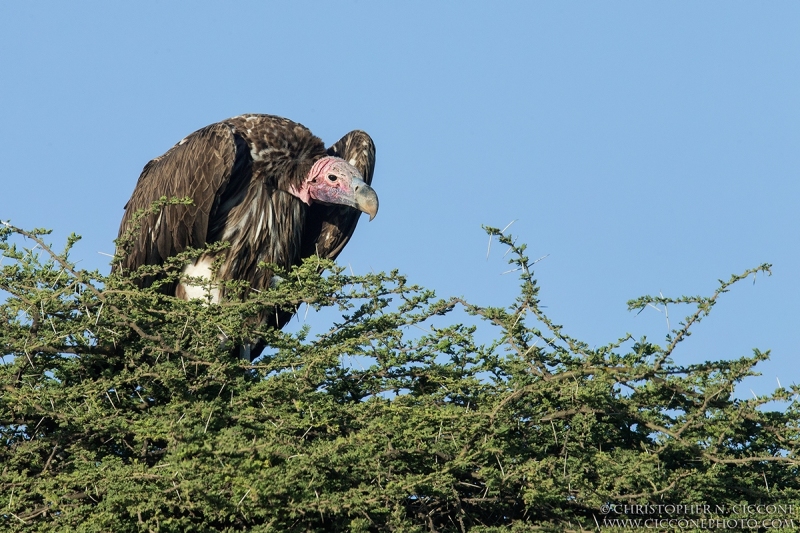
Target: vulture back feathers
[(264, 184)]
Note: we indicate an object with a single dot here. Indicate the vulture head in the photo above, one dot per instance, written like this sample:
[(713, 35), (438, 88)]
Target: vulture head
[(333, 180)]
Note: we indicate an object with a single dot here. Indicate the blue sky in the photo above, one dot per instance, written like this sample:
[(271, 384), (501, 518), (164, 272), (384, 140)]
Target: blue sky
[(645, 147)]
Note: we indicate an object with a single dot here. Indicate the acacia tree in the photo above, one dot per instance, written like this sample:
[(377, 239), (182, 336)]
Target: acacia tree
[(122, 409)]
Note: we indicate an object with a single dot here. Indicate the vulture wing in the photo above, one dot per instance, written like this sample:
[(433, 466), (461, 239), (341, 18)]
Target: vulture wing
[(211, 167), (328, 227)]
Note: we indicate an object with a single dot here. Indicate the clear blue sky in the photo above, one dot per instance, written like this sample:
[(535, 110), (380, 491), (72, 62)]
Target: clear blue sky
[(644, 146)]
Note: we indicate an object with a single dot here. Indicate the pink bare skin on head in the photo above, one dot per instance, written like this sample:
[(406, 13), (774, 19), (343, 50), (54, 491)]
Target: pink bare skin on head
[(335, 181)]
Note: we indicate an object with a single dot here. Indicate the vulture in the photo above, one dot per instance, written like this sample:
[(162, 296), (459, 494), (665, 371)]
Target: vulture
[(264, 184)]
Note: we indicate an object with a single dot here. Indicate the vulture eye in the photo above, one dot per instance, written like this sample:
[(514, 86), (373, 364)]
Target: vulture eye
[(331, 177)]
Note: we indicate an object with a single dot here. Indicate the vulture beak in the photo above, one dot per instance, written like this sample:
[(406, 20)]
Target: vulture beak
[(366, 199)]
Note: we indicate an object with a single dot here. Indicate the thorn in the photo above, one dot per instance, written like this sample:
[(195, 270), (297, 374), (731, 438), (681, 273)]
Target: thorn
[(209, 420), (98, 313), (112, 403), (508, 225), (510, 248), (543, 257), (420, 327), (243, 497)]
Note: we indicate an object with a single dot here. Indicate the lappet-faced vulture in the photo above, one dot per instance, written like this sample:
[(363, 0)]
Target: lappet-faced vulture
[(264, 184)]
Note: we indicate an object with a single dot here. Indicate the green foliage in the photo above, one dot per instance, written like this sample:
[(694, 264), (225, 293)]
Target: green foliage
[(125, 410)]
